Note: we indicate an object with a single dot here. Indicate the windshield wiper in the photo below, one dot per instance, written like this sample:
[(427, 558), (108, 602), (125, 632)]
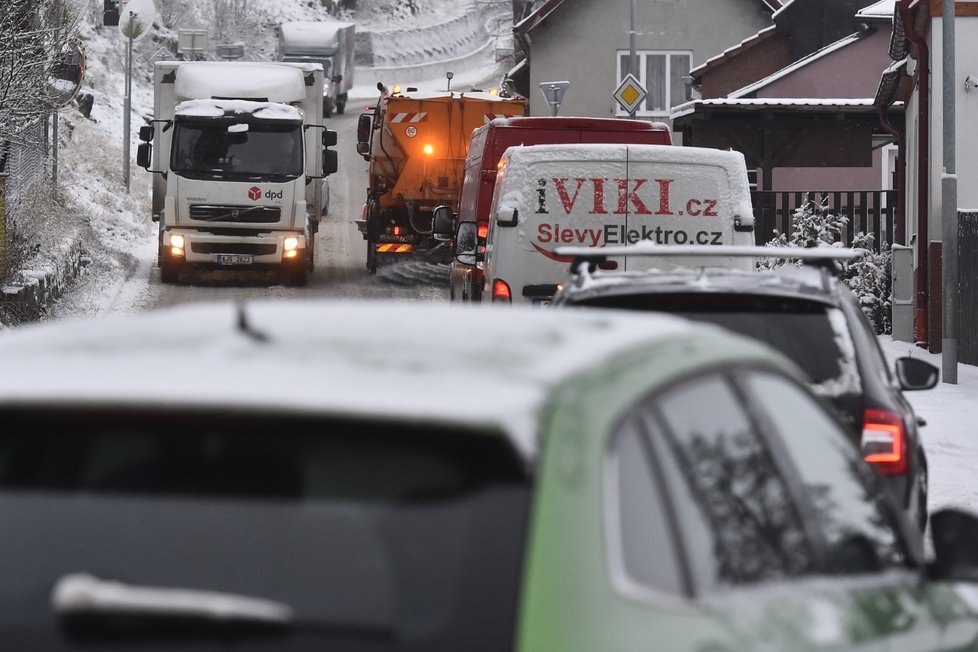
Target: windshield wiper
[(81, 593), (91, 608)]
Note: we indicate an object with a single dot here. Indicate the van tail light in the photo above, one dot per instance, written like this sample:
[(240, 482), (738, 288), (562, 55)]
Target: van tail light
[(483, 231), (501, 292), (885, 442)]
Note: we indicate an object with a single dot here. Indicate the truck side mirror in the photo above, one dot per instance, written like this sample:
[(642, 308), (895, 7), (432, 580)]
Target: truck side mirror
[(337, 79), (363, 149), (146, 133), (467, 244), (364, 127), (329, 138), (330, 162), (144, 155), (442, 228)]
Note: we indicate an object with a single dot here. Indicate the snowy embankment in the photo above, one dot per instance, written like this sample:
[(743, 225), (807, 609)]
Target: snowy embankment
[(112, 227), (951, 412)]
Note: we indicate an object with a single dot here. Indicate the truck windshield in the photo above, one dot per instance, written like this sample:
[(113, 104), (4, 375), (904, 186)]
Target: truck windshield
[(229, 150)]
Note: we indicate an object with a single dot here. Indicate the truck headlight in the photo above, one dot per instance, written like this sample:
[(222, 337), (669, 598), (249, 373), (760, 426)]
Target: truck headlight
[(177, 241), (290, 243), (325, 89)]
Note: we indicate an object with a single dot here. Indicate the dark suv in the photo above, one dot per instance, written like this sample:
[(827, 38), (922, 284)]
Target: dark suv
[(805, 312)]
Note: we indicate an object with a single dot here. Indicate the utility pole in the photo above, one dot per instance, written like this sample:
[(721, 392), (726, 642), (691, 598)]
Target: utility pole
[(949, 208), (632, 56), (127, 112)]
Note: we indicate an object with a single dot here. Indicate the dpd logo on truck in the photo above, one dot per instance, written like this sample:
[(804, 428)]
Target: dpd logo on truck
[(254, 193)]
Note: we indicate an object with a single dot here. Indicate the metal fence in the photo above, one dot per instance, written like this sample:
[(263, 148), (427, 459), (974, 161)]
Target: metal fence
[(869, 211), (968, 287), (23, 167)]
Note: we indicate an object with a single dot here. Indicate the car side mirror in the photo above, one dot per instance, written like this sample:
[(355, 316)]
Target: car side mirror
[(146, 133), (144, 155), (467, 244), (915, 374), (955, 554), (442, 224)]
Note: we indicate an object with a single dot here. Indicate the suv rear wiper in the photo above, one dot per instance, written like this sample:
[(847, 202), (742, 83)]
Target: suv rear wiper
[(91, 608), (82, 595)]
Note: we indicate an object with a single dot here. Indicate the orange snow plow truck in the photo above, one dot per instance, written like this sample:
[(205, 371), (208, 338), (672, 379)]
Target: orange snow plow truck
[(416, 143)]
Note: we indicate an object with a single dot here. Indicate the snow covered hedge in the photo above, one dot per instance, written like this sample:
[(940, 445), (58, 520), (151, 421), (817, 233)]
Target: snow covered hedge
[(869, 277)]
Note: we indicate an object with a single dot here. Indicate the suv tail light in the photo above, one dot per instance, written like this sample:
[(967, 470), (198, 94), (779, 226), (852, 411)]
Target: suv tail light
[(501, 292), (884, 441)]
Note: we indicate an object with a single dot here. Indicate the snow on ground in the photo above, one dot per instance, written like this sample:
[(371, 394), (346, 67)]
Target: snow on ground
[(950, 437), (116, 230)]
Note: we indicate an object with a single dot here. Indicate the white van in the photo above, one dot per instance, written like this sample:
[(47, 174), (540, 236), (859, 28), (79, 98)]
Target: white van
[(550, 196)]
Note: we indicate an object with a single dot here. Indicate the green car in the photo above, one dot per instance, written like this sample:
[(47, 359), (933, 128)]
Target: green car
[(343, 477)]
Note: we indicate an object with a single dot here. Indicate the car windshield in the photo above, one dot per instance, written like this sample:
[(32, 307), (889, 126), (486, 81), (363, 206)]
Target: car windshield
[(807, 332), (404, 537), (237, 150)]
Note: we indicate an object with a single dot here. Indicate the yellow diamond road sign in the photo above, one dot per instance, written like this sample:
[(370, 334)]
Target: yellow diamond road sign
[(630, 93)]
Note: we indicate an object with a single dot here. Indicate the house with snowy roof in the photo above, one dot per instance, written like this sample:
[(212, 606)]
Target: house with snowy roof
[(913, 77), (586, 42), (797, 99)]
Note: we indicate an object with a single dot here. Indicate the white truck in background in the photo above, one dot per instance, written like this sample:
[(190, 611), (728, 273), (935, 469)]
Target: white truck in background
[(329, 43), (238, 150)]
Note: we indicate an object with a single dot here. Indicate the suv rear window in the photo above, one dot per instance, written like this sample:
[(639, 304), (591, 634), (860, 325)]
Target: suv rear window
[(810, 333), (402, 533)]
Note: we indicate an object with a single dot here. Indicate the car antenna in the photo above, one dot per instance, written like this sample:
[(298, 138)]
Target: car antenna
[(245, 327)]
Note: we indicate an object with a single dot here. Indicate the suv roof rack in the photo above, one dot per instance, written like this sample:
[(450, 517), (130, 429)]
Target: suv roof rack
[(823, 257)]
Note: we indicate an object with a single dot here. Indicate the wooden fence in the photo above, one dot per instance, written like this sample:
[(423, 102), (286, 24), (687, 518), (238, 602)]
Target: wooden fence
[(869, 211)]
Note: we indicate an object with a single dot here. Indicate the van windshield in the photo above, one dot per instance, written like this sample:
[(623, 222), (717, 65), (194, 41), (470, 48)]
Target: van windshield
[(221, 149), (379, 536)]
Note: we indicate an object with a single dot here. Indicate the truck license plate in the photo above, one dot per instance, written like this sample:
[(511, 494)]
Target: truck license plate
[(234, 259)]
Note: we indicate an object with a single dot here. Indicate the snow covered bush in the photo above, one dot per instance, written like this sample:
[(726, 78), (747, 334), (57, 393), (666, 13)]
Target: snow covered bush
[(32, 34), (869, 277)]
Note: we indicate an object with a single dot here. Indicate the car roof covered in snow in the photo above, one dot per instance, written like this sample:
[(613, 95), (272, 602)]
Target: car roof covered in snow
[(476, 367), (272, 82), (790, 281)]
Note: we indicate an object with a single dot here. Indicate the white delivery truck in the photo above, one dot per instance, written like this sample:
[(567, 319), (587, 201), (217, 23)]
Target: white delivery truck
[(329, 43), (236, 148), (597, 195)]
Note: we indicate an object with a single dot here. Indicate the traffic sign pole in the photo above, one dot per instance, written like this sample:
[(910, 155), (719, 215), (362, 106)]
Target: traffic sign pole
[(632, 57), (553, 92), (127, 112)]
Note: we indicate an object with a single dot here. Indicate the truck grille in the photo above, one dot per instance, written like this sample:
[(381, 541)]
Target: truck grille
[(232, 248), (250, 214)]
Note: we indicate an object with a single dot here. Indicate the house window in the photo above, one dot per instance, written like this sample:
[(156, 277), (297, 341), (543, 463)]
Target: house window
[(662, 73)]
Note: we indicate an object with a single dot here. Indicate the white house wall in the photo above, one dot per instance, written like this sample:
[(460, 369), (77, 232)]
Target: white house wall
[(966, 119), (579, 41)]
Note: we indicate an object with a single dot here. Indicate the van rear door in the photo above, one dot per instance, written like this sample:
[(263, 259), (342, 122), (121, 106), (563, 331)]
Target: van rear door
[(670, 199)]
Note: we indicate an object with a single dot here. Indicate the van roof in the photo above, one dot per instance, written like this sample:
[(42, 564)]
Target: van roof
[(605, 124), (335, 358)]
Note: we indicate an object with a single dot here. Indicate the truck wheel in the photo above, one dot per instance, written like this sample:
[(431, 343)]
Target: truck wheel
[(328, 108), (297, 277), (340, 107), (169, 273), (371, 258)]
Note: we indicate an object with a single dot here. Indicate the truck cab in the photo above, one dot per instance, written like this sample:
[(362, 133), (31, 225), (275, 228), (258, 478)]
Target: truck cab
[(234, 176)]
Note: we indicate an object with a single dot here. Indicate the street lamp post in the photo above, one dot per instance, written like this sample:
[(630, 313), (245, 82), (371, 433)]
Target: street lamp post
[(127, 111)]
